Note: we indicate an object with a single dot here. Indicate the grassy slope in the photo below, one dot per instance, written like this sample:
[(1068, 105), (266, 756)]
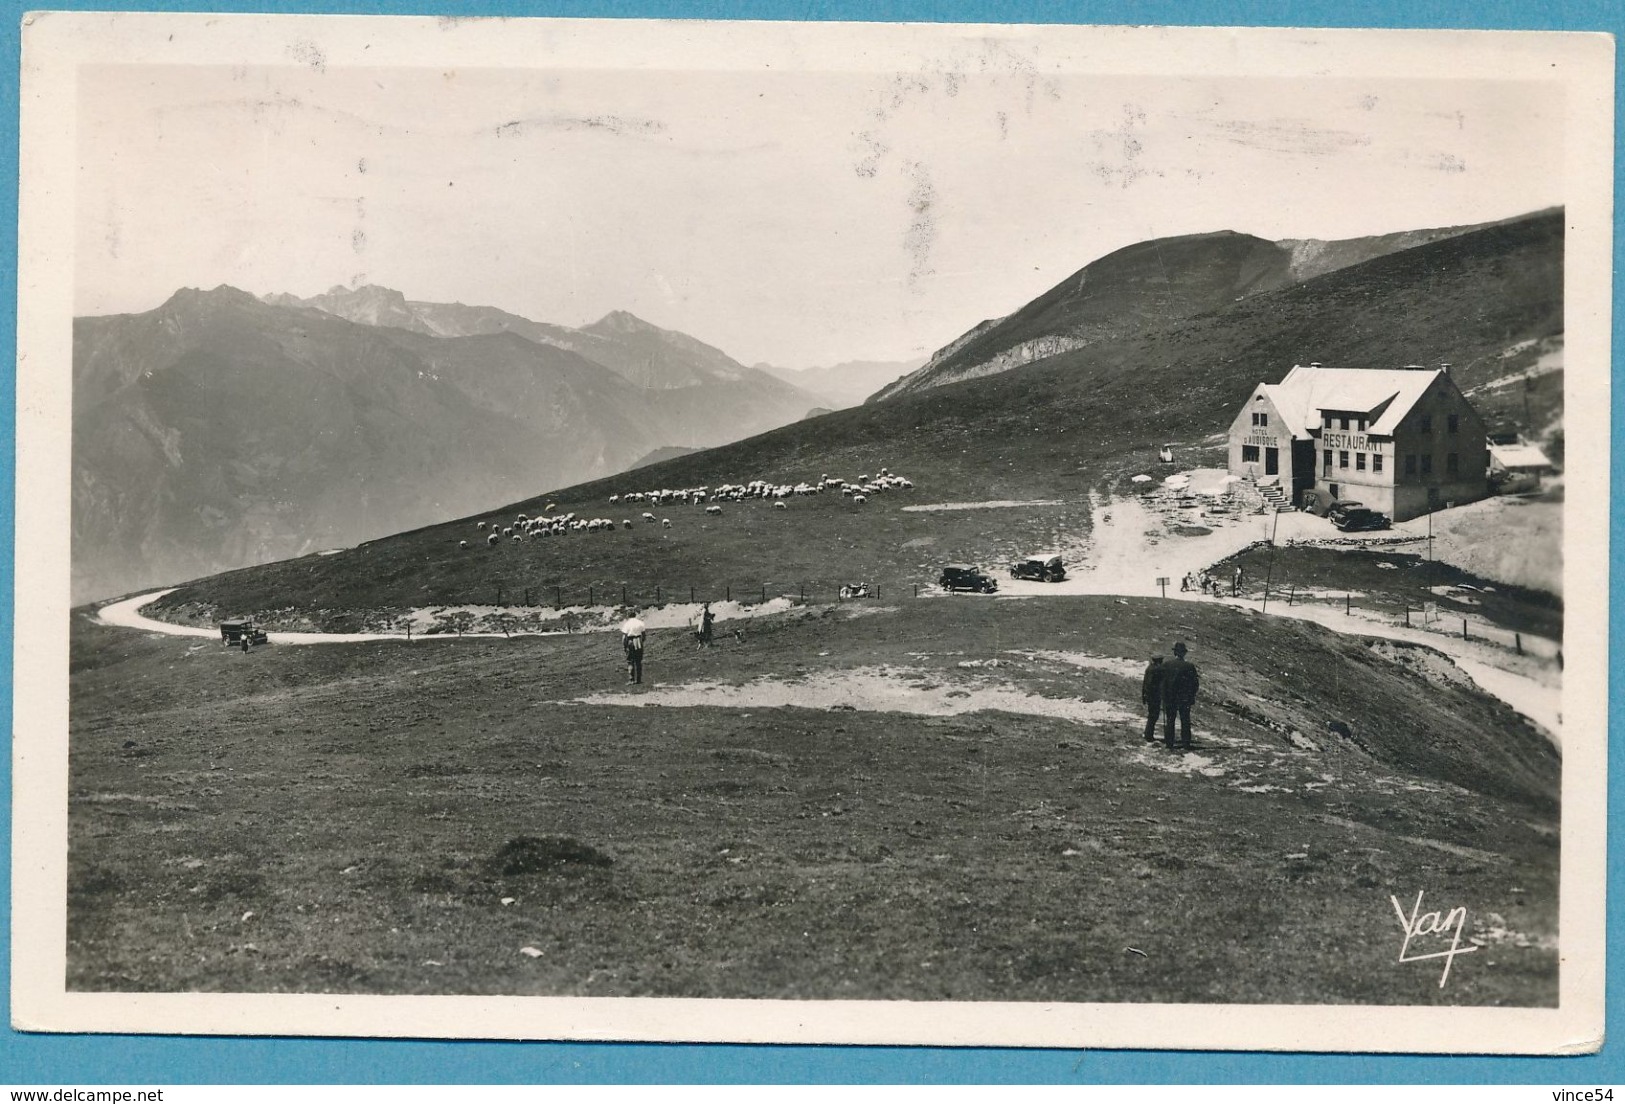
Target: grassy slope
[(354, 800), (1052, 430)]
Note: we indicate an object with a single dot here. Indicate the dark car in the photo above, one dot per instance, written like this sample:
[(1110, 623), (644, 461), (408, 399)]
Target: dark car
[(1360, 519), (1045, 569), (1341, 507), (967, 577), (237, 630)]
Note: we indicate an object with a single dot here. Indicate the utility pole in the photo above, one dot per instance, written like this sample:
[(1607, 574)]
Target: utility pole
[(1269, 571)]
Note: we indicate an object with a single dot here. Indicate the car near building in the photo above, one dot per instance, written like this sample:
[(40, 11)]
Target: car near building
[(1359, 519), (967, 577), (1044, 568), (1402, 441)]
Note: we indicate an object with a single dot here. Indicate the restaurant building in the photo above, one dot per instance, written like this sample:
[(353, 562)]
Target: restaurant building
[(1402, 441)]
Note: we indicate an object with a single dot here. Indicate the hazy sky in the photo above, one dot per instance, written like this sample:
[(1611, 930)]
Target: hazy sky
[(794, 217)]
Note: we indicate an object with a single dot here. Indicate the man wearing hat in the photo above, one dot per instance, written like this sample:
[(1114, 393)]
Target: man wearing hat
[(1151, 695), (1179, 683)]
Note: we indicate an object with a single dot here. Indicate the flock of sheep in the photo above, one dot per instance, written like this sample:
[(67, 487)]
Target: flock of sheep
[(548, 524)]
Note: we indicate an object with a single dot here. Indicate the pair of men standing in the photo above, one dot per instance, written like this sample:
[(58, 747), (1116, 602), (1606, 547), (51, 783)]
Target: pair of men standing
[(1169, 688)]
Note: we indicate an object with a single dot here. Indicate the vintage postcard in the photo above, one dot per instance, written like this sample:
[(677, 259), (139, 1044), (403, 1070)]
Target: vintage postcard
[(778, 532)]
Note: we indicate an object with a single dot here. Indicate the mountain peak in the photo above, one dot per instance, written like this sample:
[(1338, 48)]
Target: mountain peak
[(218, 295), (621, 322)]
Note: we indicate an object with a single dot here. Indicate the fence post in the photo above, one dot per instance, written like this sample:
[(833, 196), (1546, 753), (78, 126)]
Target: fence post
[(623, 594), (527, 596), (764, 593), (1407, 615), (1348, 604), (499, 595), (1292, 595), (589, 595), (728, 592), (691, 596), (657, 596), (1517, 641), (1464, 628), (803, 592)]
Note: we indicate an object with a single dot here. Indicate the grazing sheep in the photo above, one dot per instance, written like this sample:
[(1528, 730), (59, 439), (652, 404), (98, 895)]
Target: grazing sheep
[(492, 540), (626, 523), (480, 525), (860, 499), (462, 544), (713, 509), (648, 516), (665, 523), (779, 506)]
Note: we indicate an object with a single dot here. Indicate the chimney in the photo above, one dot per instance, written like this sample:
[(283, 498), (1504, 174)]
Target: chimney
[(1414, 368), (1444, 366), (1314, 364)]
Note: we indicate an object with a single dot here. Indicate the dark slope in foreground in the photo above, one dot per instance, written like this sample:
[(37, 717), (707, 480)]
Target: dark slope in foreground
[(361, 803), (1052, 430)]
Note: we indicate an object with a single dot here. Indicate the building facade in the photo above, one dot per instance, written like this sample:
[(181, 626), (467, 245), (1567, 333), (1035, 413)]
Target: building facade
[(1402, 441)]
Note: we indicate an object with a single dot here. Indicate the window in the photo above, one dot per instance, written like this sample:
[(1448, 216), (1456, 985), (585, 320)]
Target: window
[(1410, 463), (1343, 422), (1361, 425), (1343, 458), (1264, 419), (1427, 463), (1327, 457), (1452, 423), (1427, 423), (1326, 421), (1249, 454), (1359, 461), (1376, 461), (1450, 463)]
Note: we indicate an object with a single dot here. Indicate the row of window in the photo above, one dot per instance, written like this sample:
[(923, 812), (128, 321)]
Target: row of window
[(1261, 418), (1452, 422), (1451, 462)]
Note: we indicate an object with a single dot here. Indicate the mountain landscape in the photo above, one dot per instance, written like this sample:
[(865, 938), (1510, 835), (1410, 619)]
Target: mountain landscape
[(220, 430), (1146, 286), (1488, 302), (890, 796)]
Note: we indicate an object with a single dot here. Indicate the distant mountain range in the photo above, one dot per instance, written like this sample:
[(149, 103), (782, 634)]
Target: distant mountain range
[(220, 430), (1146, 287)]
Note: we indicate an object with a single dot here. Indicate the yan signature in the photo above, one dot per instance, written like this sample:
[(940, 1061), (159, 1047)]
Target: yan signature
[(1420, 923)]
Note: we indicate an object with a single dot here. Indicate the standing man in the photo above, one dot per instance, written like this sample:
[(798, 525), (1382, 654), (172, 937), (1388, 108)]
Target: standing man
[(707, 619), (632, 631), (1179, 684), (1151, 695), (1235, 585)]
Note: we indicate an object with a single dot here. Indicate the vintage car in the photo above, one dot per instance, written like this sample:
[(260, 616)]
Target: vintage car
[(1342, 506), (1359, 519), (967, 577), (1045, 569), (237, 630)]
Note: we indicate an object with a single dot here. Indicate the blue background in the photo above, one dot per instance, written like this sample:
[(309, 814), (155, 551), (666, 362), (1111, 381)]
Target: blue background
[(87, 1060)]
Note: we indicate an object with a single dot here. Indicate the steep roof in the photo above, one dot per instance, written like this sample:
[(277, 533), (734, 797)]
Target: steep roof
[(1383, 395)]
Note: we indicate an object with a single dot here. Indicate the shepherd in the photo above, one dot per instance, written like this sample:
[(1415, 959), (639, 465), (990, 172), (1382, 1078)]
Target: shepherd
[(632, 636)]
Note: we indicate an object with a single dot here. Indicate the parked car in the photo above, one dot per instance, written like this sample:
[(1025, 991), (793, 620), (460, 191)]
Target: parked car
[(237, 630), (1360, 519), (1045, 569), (967, 577)]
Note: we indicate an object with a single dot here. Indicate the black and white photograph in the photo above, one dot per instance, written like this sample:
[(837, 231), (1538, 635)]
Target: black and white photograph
[(1045, 536)]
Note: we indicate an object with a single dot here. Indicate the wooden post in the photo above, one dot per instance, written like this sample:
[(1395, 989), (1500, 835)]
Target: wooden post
[(623, 594), (589, 594), (764, 592), (1464, 628), (1292, 595), (1517, 642), (1348, 604), (728, 593), (691, 596), (499, 594), (1407, 615)]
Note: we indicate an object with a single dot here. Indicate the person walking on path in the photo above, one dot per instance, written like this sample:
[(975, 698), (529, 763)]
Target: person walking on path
[(1179, 685), (1151, 695), (707, 618), (1235, 584), (632, 634)]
